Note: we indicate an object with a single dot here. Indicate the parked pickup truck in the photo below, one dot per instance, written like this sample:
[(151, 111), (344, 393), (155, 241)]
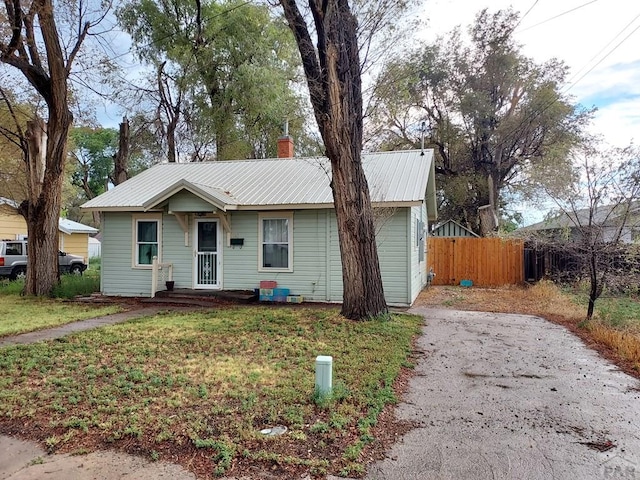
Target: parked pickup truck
[(13, 260)]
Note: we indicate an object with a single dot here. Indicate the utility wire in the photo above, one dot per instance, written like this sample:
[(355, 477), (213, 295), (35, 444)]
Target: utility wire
[(602, 50), (543, 109), (525, 15), (558, 16), (162, 39)]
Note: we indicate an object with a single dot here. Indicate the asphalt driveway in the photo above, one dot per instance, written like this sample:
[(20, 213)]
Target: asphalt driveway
[(494, 396), (513, 397)]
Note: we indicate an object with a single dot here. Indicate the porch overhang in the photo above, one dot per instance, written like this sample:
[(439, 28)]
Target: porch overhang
[(214, 196)]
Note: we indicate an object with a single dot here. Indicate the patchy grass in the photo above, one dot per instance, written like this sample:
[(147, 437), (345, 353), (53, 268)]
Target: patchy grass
[(619, 313), (26, 314), (614, 330), (201, 386), (70, 285), (73, 285)]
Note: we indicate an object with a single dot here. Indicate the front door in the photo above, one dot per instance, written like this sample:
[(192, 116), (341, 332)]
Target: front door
[(208, 261)]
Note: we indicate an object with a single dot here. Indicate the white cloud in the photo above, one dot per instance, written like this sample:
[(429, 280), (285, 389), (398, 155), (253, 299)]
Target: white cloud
[(579, 39)]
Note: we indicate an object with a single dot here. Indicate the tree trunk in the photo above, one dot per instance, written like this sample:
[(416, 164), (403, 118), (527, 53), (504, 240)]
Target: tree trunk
[(43, 210), (333, 75), (120, 162), (44, 185)]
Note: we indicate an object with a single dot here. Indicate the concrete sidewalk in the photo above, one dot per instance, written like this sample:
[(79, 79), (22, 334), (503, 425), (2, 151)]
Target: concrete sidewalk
[(79, 326), (513, 397)]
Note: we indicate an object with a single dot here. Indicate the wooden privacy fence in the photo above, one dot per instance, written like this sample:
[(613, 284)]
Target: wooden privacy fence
[(488, 262)]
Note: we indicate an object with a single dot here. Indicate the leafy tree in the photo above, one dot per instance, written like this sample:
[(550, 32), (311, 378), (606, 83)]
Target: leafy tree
[(34, 47), (599, 212), (332, 68), (224, 73), (13, 147), (103, 157), (490, 113), (91, 152)]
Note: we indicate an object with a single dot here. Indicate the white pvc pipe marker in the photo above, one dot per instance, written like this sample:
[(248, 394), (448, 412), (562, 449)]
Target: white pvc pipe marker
[(324, 374)]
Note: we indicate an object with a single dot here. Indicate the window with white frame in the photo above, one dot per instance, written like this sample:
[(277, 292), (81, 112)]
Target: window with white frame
[(275, 242), (146, 236)]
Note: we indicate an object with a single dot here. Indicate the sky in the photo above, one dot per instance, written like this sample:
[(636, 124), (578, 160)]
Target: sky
[(598, 39)]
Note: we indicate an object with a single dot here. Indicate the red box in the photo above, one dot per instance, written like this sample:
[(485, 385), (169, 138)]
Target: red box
[(268, 284)]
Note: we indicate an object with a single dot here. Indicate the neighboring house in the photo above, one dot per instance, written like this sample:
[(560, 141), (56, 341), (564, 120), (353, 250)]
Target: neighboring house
[(95, 247), (451, 228), (606, 221), (12, 224), (74, 236), (229, 225)]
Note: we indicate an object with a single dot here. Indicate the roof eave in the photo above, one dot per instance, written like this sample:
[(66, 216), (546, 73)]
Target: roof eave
[(180, 185)]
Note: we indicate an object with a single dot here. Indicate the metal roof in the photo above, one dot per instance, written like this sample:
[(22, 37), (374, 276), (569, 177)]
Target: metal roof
[(69, 226), (605, 215), (64, 224), (9, 202), (401, 178)]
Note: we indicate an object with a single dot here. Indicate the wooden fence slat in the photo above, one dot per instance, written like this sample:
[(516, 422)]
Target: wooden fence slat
[(485, 261)]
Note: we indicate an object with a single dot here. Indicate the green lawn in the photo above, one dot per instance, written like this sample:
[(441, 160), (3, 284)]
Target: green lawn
[(25, 314), (201, 386)]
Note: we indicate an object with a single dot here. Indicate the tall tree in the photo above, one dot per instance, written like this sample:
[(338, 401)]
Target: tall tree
[(92, 151), (34, 47), (223, 78), (332, 68), (489, 112), (13, 145), (600, 210)]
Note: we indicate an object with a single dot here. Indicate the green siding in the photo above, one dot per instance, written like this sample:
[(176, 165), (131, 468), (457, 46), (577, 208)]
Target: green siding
[(392, 253), (418, 270), (315, 250), (174, 251), (240, 264), (117, 274), (118, 278), (185, 201)]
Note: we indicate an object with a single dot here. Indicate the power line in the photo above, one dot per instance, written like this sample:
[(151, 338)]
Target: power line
[(602, 50), (607, 55), (526, 13), (557, 16), (536, 114), (162, 39)]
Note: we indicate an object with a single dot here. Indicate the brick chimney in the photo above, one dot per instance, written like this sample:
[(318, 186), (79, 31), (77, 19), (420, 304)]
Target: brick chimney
[(285, 143), (285, 147)]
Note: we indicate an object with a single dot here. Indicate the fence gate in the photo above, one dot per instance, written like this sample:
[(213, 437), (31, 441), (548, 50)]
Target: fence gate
[(488, 262)]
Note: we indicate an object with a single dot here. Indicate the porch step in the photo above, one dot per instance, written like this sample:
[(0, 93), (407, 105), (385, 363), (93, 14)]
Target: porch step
[(202, 297)]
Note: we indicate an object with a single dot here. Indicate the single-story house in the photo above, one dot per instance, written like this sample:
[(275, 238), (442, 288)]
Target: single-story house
[(73, 238), (95, 247), (451, 228), (230, 224), (606, 222)]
